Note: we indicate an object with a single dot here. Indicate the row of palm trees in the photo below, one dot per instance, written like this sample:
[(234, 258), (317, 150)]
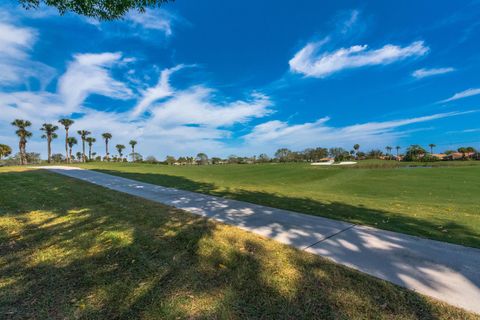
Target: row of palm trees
[(49, 133), (389, 149)]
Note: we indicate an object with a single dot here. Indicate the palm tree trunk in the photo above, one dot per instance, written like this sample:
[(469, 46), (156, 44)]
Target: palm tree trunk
[(24, 152), (49, 142), (90, 152), (133, 153), (106, 150), (20, 149), (67, 155), (83, 149)]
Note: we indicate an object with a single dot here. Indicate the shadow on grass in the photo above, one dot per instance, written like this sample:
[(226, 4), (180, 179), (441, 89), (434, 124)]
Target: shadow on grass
[(447, 231), (69, 249)]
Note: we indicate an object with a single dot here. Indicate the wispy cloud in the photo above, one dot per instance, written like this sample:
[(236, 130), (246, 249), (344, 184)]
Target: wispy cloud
[(16, 67), (274, 134), (160, 91), (158, 20), (423, 73), (310, 62), (90, 74), (464, 94)]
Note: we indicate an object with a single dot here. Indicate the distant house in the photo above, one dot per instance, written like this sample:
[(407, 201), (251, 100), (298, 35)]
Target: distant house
[(459, 155), (439, 156)]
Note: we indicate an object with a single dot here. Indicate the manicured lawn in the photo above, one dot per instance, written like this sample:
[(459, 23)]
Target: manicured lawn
[(69, 249), (441, 203)]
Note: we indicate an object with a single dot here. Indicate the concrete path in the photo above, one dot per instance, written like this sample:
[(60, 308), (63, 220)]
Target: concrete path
[(441, 270)]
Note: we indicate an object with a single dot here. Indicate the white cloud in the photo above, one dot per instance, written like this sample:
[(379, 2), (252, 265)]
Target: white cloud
[(274, 134), (463, 94), (197, 106), (15, 64), (312, 63), (90, 74), (161, 90), (423, 73), (160, 20)]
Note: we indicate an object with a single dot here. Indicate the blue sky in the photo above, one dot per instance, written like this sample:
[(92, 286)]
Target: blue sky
[(246, 77)]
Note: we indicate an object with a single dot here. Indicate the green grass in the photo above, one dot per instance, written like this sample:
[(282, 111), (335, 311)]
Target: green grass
[(72, 250), (439, 203)]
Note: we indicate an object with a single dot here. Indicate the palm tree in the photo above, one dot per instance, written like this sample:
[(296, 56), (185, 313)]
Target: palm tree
[(66, 123), (356, 147), (120, 148), (83, 134), (389, 149), (133, 143), (90, 141), (23, 134), (49, 134), (71, 142), (431, 145), (398, 149), (107, 136), (5, 151)]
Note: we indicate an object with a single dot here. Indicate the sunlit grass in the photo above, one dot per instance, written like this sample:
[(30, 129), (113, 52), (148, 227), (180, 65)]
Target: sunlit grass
[(74, 250)]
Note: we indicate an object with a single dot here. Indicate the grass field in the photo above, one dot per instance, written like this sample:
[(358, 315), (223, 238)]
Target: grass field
[(441, 203), (69, 249)]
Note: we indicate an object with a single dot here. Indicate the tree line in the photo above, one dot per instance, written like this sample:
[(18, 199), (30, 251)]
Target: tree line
[(49, 133)]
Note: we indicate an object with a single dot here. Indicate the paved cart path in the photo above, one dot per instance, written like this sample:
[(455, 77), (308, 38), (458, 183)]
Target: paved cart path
[(448, 272)]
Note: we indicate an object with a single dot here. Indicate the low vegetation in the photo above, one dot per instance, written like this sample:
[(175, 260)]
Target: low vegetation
[(69, 249), (439, 203)]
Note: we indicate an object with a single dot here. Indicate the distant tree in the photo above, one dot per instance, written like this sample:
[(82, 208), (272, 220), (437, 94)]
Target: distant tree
[(361, 155), (33, 157), (414, 153), (66, 123), (58, 157), (216, 160), (107, 136), (79, 156), (374, 154), (431, 145), (201, 158), (133, 143), (83, 135), (262, 158), (170, 160), (5, 151), (71, 141), (398, 149), (90, 141), (98, 158), (356, 147), (283, 155), (136, 157), (49, 134), (120, 148), (23, 134), (389, 150), (448, 152), (232, 159), (465, 150), (97, 9), (151, 159), (337, 152)]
